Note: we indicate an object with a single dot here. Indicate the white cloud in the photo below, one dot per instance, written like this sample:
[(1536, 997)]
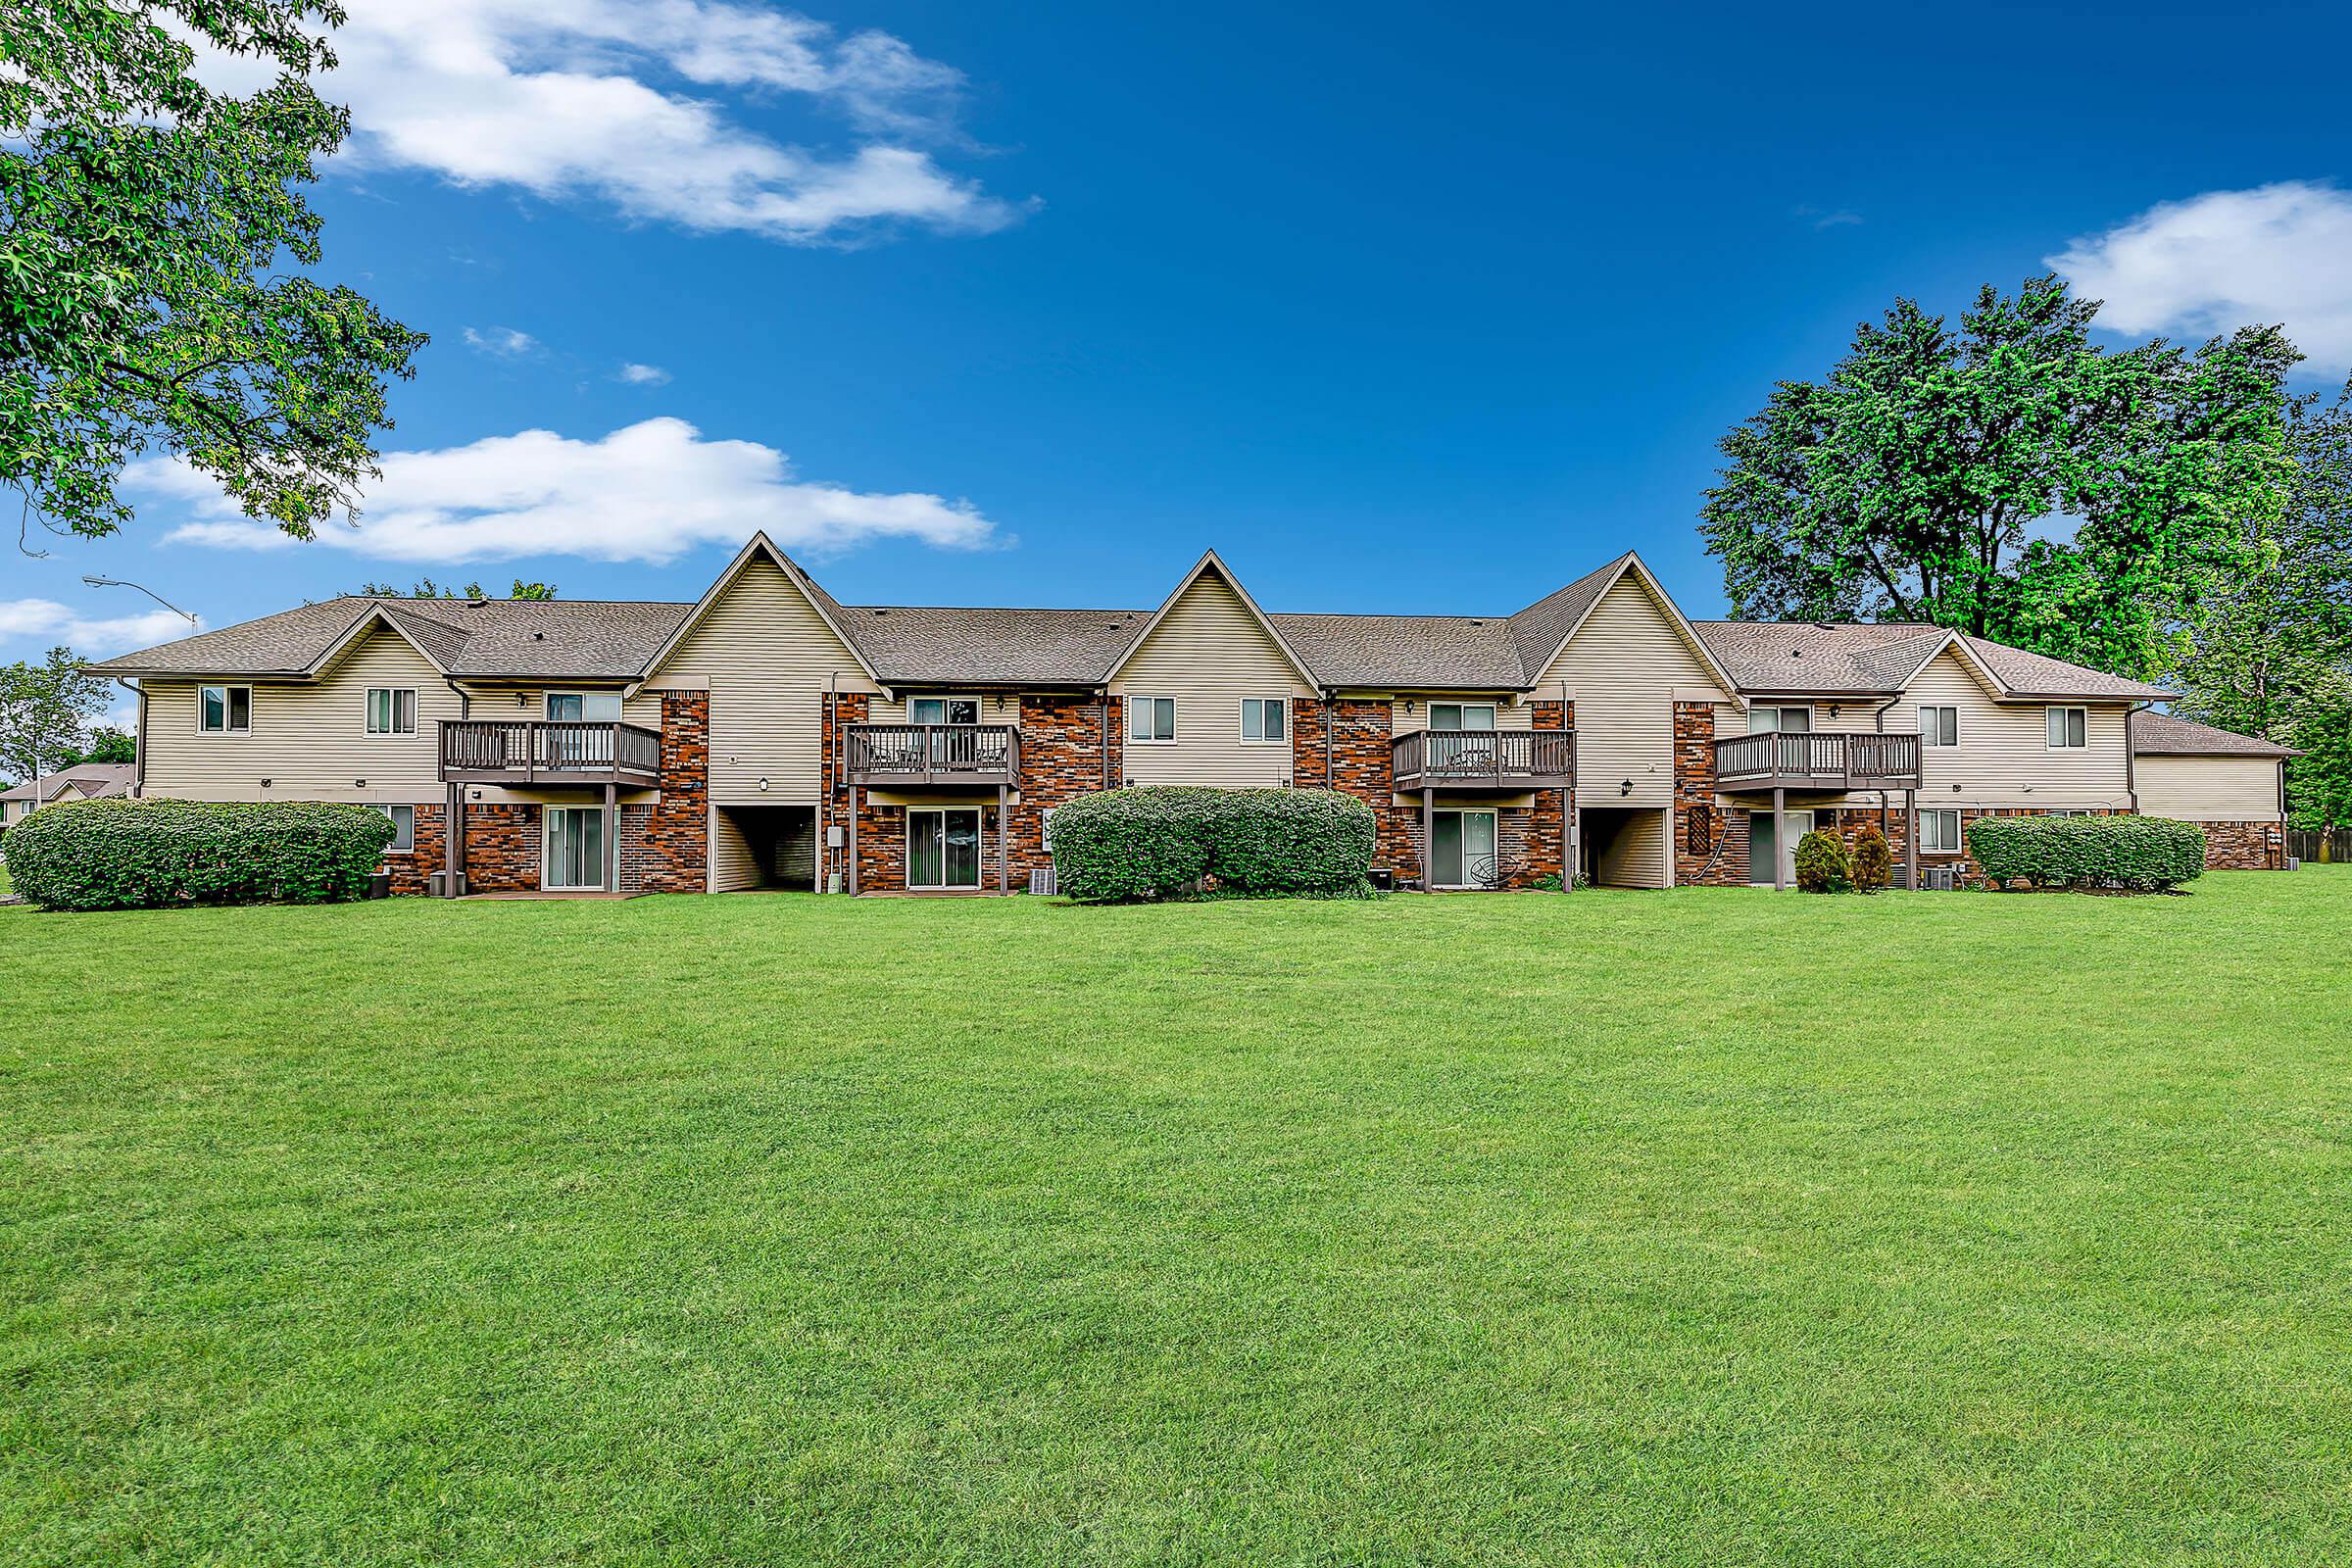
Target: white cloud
[(503, 342), (583, 98), (647, 492), (2225, 260), (47, 623), (642, 375)]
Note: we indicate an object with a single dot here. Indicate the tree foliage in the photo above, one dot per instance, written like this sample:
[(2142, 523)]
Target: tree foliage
[(1932, 474), (146, 305), (45, 711), (426, 588), (105, 744)]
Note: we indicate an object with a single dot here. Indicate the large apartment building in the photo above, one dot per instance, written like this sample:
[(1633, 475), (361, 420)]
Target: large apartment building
[(768, 735)]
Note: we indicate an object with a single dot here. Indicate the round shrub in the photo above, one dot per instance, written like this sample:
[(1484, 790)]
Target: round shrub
[(2141, 853), (1163, 841), (149, 854), (1873, 860), (1823, 864)]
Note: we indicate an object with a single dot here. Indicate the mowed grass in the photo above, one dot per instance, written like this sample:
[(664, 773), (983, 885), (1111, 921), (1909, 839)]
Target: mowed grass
[(1705, 1227)]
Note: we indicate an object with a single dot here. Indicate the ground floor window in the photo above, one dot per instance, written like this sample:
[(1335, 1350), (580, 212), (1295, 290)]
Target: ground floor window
[(575, 847), (1461, 850), (403, 828), (1939, 832), (943, 848)]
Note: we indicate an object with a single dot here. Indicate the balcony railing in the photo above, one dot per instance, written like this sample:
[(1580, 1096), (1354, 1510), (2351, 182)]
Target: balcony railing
[(496, 750), (1484, 758), (900, 754), (1816, 759)]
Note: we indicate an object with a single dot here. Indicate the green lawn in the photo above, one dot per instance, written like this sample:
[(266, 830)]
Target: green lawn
[(1707, 1227)]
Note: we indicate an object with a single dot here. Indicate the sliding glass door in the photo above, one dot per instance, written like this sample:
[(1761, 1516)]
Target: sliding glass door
[(943, 848), (575, 847), (1461, 849), (1761, 848)]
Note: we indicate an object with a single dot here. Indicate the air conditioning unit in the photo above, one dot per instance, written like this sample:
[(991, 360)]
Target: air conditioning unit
[(1043, 882), (1940, 878)]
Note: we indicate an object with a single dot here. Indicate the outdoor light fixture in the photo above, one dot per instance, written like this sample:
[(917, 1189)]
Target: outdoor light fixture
[(1626, 788), (117, 582), (523, 700), (763, 784), (359, 783), (265, 783)]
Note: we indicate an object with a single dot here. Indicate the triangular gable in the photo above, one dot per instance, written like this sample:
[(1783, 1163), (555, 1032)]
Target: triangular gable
[(805, 585), (1207, 563), (1631, 564), (377, 615), (1985, 676)]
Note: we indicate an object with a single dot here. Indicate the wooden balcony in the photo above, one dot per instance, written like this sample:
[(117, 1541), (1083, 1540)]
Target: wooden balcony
[(1821, 761), (1484, 758), (915, 756), (496, 750)]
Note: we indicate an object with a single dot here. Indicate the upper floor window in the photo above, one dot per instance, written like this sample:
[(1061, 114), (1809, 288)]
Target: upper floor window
[(2069, 727), (391, 711), (1461, 716), (1151, 718), (224, 709), (1768, 720), (1940, 725), (593, 707), (943, 711), (1264, 718), (403, 828)]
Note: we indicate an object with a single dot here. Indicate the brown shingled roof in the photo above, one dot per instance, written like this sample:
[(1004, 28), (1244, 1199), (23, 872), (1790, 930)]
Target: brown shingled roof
[(2155, 734), (1778, 656)]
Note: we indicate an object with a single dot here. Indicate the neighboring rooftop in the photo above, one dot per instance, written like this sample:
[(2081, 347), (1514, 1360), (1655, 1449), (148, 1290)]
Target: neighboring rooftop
[(96, 780), (2155, 734), (1809, 655)]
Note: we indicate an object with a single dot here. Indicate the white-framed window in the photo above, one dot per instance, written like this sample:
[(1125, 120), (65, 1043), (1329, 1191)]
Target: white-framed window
[(403, 828), (572, 708), (943, 711), (2070, 813), (1780, 720), (2069, 728), (1938, 724), (1045, 828), (1265, 718), (391, 711), (1939, 833), (224, 709), (1461, 716), (1151, 718)]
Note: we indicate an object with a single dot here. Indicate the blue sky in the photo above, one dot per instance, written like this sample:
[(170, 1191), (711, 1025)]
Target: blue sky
[(1400, 307)]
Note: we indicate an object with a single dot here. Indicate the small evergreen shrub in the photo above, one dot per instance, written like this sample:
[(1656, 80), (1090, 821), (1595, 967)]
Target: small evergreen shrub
[(1823, 864), (1873, 860), (2144, 854), (151, 854), (1167, 841)]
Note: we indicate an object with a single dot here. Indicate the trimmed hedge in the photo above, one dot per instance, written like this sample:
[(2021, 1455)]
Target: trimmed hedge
[(2141, 853), (149, 854), (1823, 864), (1164, 841)]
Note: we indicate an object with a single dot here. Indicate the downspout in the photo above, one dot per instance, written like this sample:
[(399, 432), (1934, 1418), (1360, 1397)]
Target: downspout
[(1329, 697), (1103, 730), (2131, 760), (824, 783), (1878, 724)]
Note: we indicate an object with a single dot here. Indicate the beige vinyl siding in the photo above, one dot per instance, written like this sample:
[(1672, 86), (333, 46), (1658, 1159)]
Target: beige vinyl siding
[(2004, 757), (1507, 713), (1637, 856), (733, 866), (995, 708), (311, 741), (1210, 652), (1624, 670), (769, 657), (2210, 789)]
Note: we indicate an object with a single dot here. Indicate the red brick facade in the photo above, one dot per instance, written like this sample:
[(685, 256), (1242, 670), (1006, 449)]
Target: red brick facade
[(1703, 847), (2243, 846), (665, 846), (502, 847)]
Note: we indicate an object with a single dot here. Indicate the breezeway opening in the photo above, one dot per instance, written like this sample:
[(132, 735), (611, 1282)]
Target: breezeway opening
[(763, 847)]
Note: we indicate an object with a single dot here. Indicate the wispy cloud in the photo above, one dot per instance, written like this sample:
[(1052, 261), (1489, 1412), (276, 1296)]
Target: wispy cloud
[(46, 623), (647, 492), (582, 99), (641, 374), (500, 342), (1820, 218), (2276, 254)]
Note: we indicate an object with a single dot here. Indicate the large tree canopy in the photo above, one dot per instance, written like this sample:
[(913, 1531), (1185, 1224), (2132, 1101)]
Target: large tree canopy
[(2006, 477), (151, 238)]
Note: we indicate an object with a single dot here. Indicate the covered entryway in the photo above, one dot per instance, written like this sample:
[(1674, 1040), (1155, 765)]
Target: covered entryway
[(763, 847), (1626, 846), (1761, 844)]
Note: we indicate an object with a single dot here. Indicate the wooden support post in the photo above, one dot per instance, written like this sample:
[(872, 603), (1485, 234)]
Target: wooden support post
[(1567, 841), (851, 881), (453, 841), (1004, 845), (1779, 839), (611, 839), (1911, 836), (1429, 867)]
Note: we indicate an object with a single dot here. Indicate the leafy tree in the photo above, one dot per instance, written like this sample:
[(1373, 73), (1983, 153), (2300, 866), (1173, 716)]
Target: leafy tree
[(44, 710), (1922, 478), (2318, 783), (145, 306), (426, 588), (106, 744)]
